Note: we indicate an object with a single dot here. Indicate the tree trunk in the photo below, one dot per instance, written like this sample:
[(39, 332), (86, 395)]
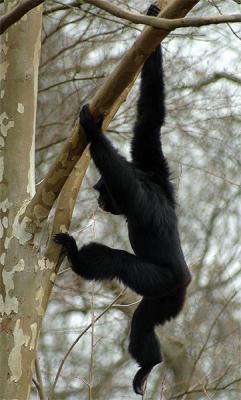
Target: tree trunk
[(21, 294)]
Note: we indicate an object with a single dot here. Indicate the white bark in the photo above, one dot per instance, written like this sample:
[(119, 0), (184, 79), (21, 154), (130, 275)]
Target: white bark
[(21, 294)]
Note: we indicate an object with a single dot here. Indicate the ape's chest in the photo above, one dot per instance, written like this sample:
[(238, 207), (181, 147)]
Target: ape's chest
[(145, 243)]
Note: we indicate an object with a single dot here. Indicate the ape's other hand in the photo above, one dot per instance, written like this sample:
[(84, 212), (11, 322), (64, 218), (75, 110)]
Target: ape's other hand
[(153, 10), (91, 126)]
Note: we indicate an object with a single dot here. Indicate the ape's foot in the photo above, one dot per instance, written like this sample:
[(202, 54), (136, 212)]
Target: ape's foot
[(88, 121), (63, 238), (68, 243), (140, 380)]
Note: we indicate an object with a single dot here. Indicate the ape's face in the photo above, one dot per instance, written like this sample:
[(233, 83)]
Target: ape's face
[(105, 200)]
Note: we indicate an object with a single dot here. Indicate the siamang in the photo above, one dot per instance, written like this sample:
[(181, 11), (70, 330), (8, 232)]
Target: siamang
[(142, 191)]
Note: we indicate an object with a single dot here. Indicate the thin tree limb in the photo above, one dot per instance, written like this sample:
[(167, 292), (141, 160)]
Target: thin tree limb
[(206, 171), (71, 80), (65, 205), (51, 395), (214, 78), (161, 23), (200, 389), (226, 304), (40, 385), (16, 13)]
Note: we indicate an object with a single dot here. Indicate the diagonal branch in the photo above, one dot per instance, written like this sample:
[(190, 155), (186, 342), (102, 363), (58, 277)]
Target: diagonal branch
[(106, 101), (65, 205), (16, 13)]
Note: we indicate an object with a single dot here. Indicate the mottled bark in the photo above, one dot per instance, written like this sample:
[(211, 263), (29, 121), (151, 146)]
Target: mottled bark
[(21, 294)]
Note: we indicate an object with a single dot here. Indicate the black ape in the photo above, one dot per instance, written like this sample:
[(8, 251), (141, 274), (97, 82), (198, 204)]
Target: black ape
[(141, 191)]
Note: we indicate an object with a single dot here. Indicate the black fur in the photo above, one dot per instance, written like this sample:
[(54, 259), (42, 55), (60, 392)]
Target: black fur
[(141, 191)]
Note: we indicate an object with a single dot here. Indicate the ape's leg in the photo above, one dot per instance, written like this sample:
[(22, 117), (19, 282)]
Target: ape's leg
[(99, 262), (144, 345)]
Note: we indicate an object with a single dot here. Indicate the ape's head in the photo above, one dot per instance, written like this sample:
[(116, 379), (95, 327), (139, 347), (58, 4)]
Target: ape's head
[(105, 200)]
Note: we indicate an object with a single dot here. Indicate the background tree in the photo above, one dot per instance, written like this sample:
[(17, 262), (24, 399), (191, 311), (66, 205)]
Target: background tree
[(79, 48)]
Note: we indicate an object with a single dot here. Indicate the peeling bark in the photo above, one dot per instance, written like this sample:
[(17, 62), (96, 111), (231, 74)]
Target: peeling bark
[(19, 282)]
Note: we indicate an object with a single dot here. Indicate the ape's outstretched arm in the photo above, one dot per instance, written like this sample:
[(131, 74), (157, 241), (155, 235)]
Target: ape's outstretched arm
[(118, 174), (151, 103), (146, 145)]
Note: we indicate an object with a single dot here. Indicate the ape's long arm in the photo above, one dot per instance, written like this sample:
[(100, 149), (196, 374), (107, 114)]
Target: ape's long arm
[(146, 145), (118, 174)]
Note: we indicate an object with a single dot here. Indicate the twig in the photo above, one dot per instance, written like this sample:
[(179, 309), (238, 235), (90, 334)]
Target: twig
[(64, 270), (230, 27), (35, 384), (209, 388), (16, 13), (72, 80), (206, 171), (128, 305), (90, 386), (39, 386), (51, 395), (208, 336)]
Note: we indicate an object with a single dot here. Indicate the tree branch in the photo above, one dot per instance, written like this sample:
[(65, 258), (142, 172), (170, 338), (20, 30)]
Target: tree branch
[(226, 304), (161, 23), (40, 386), (65, 205), (16, 13), (51, 394), (212, 79)]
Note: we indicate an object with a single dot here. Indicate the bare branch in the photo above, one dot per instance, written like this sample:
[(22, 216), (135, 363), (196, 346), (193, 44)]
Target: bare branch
[(206, 171), (16, 13), (66, 203), (226, 304), (160, 23), (39, 385), (199, 388), (51, 395), (72, 80), (214, 78), (163, 23)]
